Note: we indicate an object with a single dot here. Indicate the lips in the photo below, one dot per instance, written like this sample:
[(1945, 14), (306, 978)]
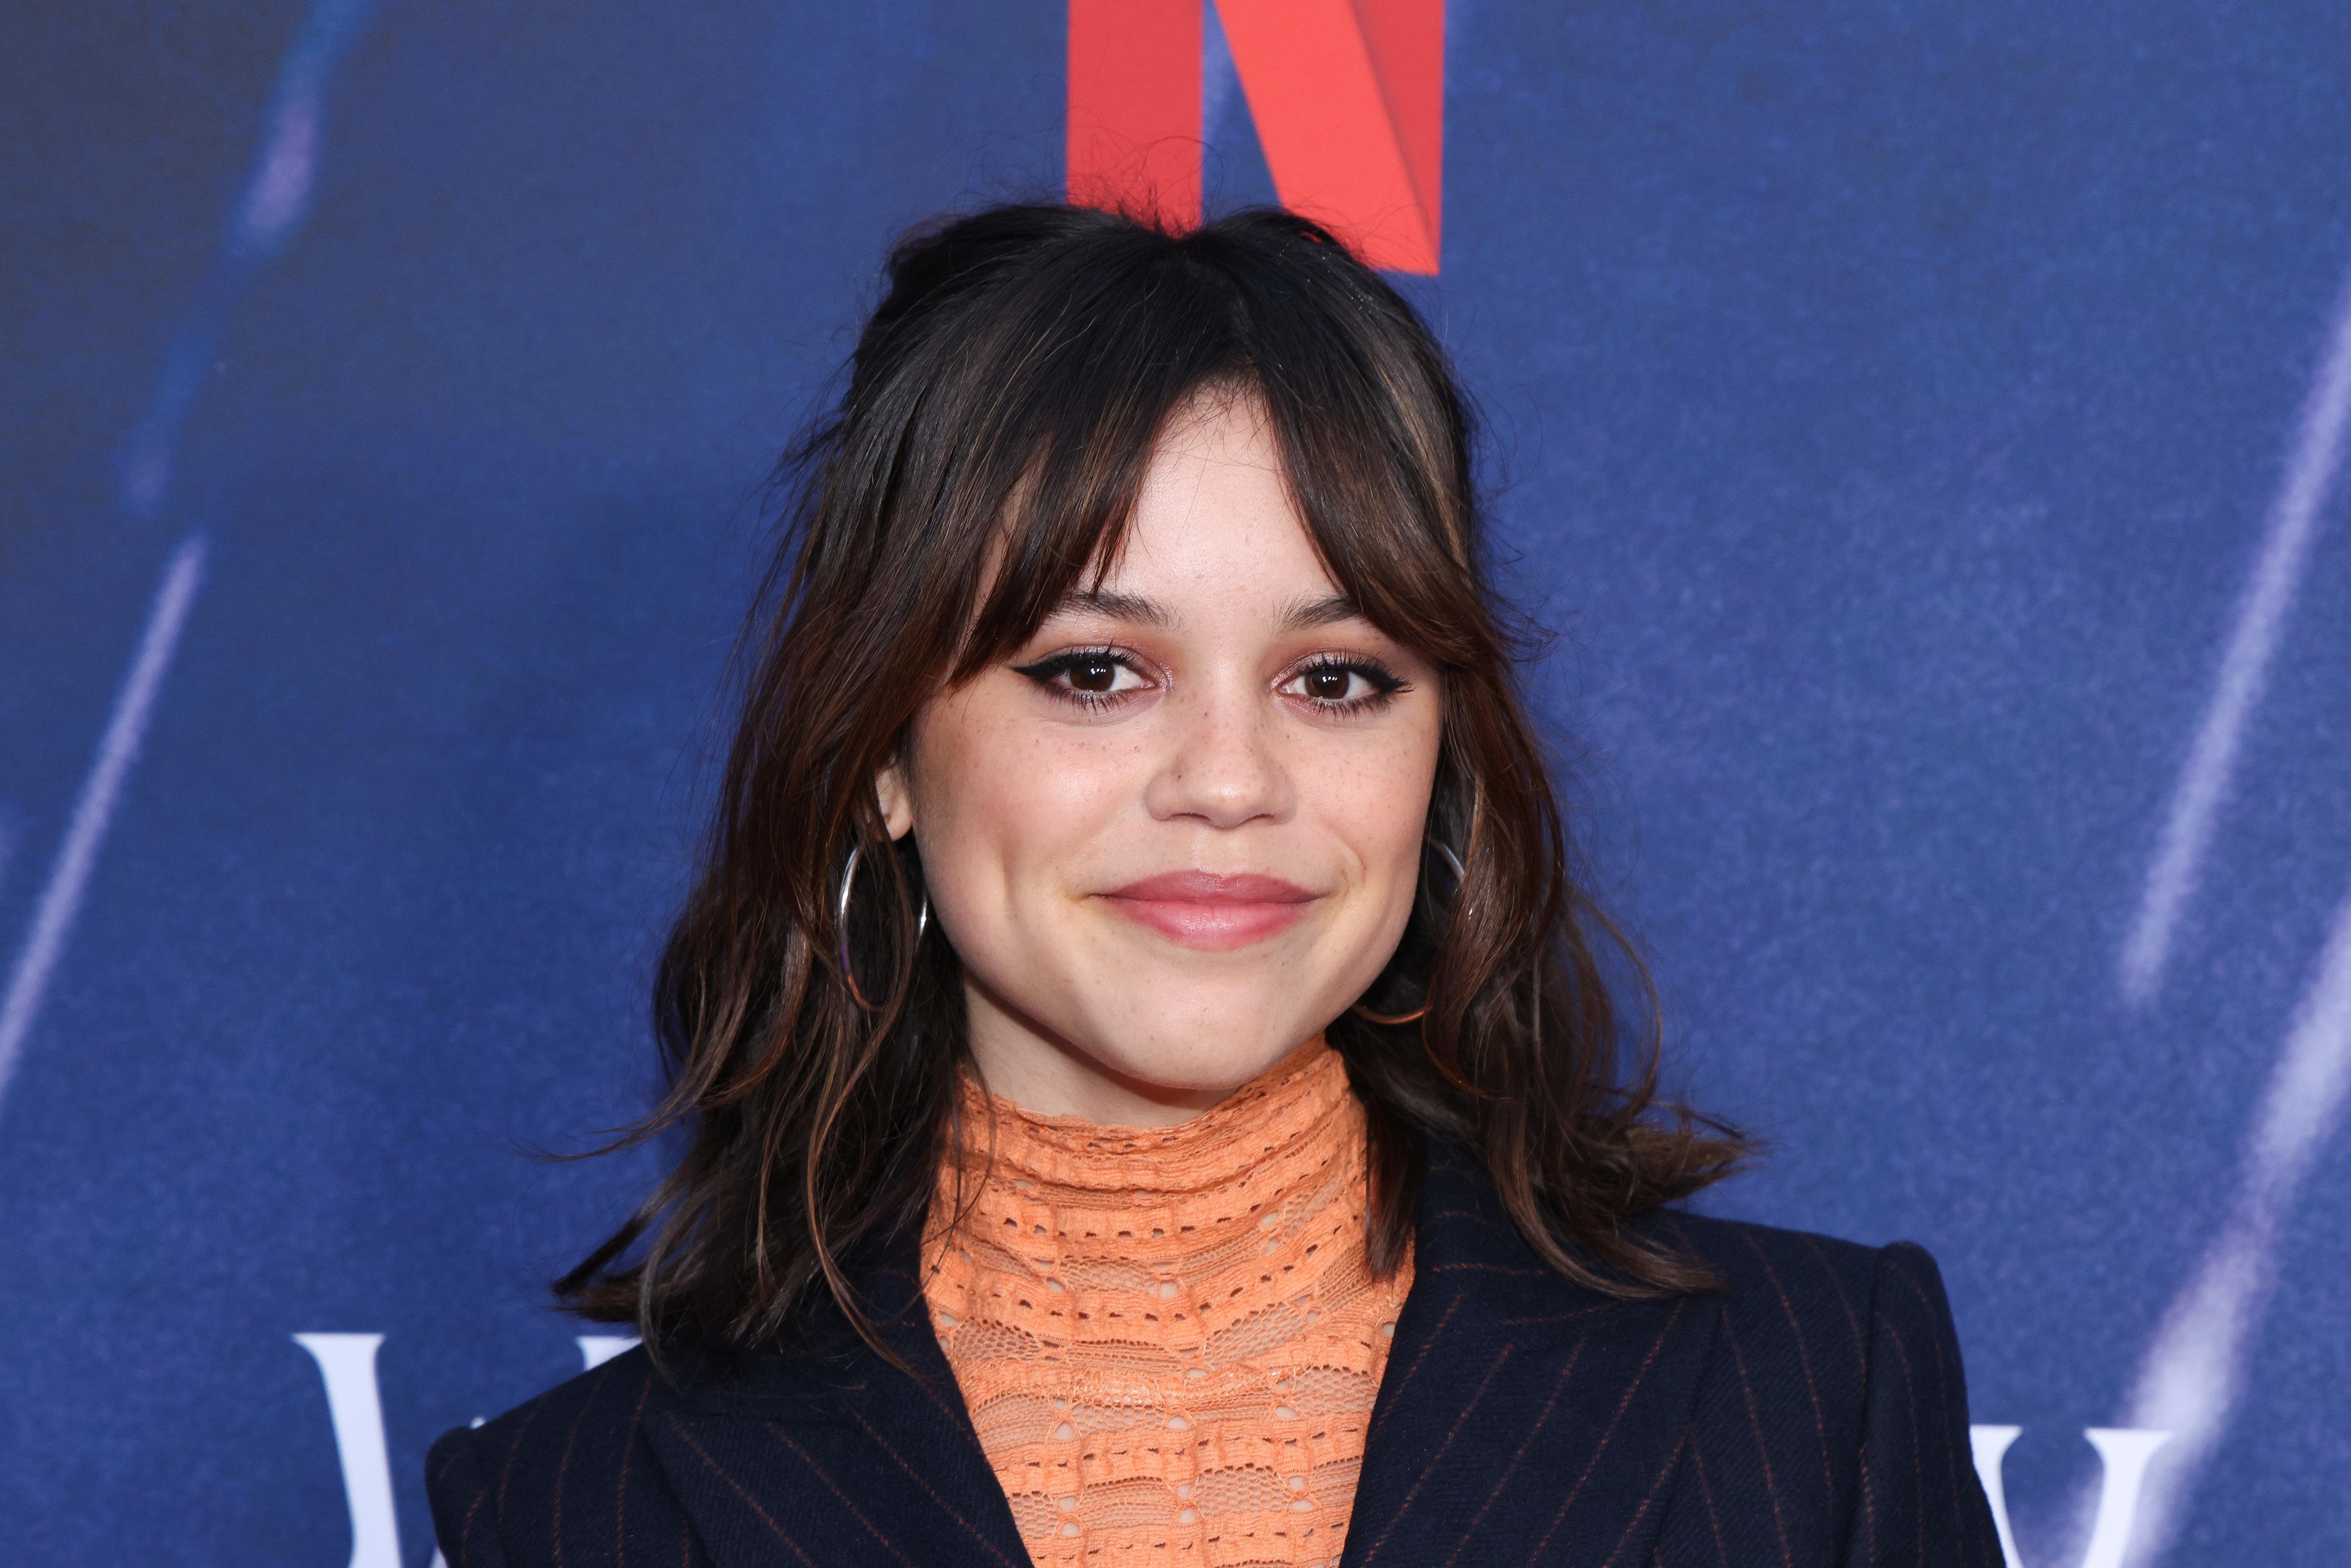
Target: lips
[(1214, 914)]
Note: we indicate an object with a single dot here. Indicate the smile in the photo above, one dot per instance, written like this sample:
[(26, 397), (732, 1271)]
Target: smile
[(1214, 914)]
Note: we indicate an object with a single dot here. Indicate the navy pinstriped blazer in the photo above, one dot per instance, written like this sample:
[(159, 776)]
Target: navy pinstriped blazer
[(1809, 1412)]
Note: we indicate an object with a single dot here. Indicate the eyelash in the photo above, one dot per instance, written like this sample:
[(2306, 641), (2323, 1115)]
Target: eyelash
[(1047, 672), (1385, 684)]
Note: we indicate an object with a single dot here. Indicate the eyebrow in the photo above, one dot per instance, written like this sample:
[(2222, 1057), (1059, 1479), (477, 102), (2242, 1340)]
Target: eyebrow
[(1305, 614), (1298, 615), (1115, 606)]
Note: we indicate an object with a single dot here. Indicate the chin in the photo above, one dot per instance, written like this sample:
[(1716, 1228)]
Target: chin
[(1218, 1047)]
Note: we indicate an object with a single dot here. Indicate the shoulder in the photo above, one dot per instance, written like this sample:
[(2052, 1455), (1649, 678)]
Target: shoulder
[(1817, 1313), (574, 1421), (1757, 1266), (1822, 1341), (494, 1483), (1832, 1422), (1763, 1268)]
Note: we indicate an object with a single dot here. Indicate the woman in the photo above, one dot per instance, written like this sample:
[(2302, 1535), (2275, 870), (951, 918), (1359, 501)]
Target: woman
[(1151, 1079)]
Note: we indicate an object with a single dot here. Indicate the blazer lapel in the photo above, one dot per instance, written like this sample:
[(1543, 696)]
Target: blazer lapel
[(831, 1456), (1522, 1418)]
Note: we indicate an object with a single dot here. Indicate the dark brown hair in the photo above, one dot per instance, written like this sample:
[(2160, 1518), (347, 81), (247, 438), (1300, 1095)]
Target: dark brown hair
[(1001, 407)]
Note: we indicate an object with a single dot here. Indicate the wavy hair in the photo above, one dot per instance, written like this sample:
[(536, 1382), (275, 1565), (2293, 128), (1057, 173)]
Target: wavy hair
[(1001, 407)]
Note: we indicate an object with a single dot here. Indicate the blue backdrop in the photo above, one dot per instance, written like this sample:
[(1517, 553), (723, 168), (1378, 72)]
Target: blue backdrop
[(1923, 421)]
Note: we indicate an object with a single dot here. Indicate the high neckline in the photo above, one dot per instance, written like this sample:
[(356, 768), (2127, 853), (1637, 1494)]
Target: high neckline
[(1291, 1102), (1169, 1339)]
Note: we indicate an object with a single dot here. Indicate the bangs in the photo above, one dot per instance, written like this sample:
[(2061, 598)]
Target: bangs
[(1027, 425), (1086, 401)]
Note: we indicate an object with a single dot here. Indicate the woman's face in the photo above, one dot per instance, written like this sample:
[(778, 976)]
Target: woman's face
[(1178, 831)]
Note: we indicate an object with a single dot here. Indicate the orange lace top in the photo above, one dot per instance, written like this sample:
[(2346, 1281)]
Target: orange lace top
[(1168, 1337)]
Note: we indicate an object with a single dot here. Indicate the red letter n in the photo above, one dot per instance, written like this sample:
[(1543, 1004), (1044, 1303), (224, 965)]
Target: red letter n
[(1348, 96)]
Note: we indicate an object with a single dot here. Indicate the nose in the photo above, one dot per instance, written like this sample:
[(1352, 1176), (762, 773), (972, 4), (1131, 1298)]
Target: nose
[(1223, 765)]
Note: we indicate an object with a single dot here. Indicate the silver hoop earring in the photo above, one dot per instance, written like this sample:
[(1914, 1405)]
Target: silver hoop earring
[(841, 923), (1459, 876)]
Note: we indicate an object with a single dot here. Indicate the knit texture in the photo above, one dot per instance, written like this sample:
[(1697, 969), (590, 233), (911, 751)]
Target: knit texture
[(1168, 1338)]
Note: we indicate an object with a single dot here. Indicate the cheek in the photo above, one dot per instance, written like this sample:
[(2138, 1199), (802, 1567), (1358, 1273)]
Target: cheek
[(1378, 804), (1002, 809)]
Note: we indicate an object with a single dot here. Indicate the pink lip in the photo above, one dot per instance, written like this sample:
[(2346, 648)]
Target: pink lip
[(1214, 913)]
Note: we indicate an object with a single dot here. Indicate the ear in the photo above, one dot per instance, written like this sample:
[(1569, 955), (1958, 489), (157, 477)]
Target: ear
[(897, 802)]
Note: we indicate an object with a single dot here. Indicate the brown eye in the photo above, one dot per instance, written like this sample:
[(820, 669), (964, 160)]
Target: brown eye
[(1328, 685), (1354, 685), (1092, 679)]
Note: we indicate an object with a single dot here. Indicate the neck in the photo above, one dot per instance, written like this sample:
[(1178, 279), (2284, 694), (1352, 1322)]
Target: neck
[(1047, 1075)]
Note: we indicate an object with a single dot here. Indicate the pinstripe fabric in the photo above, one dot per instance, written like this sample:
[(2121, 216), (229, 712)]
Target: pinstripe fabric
[(1811, 1412), (1833, 1427), (569, 1479)]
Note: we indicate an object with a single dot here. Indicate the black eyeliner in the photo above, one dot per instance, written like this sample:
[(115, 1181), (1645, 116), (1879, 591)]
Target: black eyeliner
[(1389, 682)]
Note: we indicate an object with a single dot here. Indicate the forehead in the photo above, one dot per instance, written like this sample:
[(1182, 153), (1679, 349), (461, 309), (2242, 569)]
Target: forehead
[(1214, 522)]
